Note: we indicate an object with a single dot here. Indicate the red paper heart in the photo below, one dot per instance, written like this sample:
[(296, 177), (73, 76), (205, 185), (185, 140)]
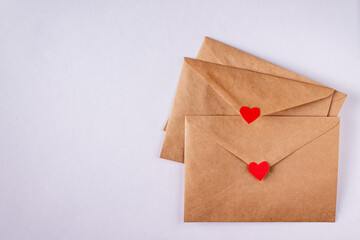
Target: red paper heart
[(259, 170), (250, 115)]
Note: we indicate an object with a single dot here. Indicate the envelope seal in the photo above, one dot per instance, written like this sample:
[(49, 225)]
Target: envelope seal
[(259, 170), (250, 114)]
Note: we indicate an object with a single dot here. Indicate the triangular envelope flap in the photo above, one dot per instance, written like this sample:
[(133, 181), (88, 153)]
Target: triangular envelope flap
[(271, 94), (268, 138)]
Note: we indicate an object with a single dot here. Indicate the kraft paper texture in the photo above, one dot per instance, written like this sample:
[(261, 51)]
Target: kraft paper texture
[(207, 88), (217, 52), (299, 187)]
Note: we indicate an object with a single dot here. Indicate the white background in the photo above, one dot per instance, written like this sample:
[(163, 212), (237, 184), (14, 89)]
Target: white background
[(86, 87)]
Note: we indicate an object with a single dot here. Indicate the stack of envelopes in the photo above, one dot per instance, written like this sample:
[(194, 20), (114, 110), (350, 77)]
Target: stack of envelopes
[(259, 143)]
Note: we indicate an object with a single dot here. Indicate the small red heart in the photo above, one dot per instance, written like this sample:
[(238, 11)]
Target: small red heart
[(259, 170), (250, 115)]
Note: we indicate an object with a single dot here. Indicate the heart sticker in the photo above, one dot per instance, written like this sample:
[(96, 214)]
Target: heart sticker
[(259, 170), (250, 115)]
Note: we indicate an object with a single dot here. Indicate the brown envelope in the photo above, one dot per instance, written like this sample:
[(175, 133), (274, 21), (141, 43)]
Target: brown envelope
[(217, 52), (211, 89), (300, 186)]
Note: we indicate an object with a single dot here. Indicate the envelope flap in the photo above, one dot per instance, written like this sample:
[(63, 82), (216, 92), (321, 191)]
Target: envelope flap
[(271, 94), (268, 138)]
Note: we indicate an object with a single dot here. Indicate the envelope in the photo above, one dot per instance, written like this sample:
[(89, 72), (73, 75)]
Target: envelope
[(217, 52), (206, 88), (301, 183)]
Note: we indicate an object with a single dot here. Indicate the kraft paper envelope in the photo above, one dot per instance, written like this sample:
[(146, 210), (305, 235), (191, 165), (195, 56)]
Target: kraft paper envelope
[(217, 52), (300, 186), (206, 88)]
